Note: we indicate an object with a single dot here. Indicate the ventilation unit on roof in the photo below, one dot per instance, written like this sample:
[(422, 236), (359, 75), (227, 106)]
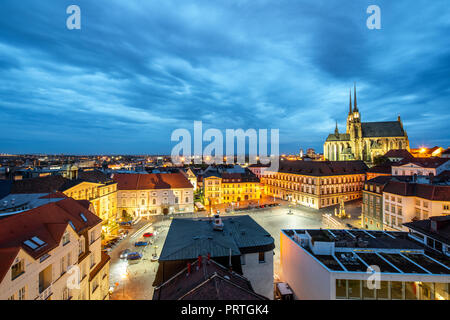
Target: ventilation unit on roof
[(83, 217)]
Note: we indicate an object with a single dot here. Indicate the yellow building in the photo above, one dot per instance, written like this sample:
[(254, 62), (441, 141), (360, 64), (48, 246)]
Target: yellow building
[(101, 191), (231, 187), (316, 184)]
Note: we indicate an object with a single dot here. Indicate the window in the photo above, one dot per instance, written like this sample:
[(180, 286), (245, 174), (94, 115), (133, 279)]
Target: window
[(22, 294), (154, 201), (261, 257), (17, 269), (63, 265), (92, 260), (341, 289), (80, 246), (66, 238)]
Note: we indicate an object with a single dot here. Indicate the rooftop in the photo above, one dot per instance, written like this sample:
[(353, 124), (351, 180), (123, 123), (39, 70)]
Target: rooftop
[(189, 238), (129, 181), (435, 227), (356, 250), (211, 281), (323, 168)]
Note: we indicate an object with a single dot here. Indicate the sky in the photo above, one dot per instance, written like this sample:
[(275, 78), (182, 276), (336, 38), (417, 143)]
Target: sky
[(138, 70)]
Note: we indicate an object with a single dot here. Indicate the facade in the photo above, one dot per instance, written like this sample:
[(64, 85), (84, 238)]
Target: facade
[(94, 186), (316, 184), (364, 140), (359, 264), (434, 233), (421, 166), (242, 245), (224, 187), (144, 195), (53, 252), (415, 200)]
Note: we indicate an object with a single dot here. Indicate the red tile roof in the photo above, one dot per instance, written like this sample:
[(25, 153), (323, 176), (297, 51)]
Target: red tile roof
[(48, 222), (399, 153), (210, 282), (425, 191), (132, 181), (431, 162)]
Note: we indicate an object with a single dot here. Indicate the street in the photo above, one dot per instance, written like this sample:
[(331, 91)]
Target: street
[(134, 281)]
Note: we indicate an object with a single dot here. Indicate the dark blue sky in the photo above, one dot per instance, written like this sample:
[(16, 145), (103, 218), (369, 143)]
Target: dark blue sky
[(140, 69)]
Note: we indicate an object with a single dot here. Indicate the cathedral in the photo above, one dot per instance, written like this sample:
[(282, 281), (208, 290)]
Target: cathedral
[(364, 140)]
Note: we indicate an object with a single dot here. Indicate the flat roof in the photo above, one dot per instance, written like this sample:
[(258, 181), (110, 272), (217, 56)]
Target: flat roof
[(357, 250)]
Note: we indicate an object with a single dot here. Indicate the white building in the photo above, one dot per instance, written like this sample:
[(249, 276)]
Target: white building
[(421, 167), (53, 252), (349, 264), (150, 194), (408, 201)]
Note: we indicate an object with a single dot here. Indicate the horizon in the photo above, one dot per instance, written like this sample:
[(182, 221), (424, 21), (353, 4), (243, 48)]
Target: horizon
[(135, 72)]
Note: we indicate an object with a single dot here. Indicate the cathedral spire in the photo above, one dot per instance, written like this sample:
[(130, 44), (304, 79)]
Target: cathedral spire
[(355, 109), (336, 131), (350, 106)]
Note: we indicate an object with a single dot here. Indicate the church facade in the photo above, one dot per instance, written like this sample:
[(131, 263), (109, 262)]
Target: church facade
[(364, 140)]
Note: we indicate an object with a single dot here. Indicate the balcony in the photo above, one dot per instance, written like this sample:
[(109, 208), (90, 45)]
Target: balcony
[(44, 293)]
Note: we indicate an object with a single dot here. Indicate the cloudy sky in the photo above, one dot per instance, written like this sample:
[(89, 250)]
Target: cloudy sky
[(139, 69)]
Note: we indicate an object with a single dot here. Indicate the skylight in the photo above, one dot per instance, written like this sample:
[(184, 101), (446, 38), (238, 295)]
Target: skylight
[(71, 224), (31, 244), (38, 241), (83, 217)]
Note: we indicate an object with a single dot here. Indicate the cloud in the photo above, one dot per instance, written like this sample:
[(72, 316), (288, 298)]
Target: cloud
[(137, 70)]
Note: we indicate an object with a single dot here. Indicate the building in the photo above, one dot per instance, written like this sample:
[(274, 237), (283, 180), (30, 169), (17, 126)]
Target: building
[(205, 279), (53, 252), (424, 152), (372, 207), (191, 177), (434, 233), (418, 199), (144, 195), (364, 140), (93, 185), (421, 166), (397, 155), (258, 169), (242, 244), (231, 186), (446, 153), (316, 184), (384, 169), (360, 264)]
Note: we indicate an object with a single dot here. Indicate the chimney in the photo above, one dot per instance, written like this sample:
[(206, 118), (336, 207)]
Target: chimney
[(209, 257), (199, 261), (188, 269)]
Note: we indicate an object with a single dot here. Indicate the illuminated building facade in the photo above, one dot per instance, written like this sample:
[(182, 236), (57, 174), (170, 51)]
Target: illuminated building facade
[(316, 184), (364, 140)]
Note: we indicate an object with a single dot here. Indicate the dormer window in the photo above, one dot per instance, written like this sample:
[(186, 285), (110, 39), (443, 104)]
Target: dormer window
[(17, 269), (66, 238)]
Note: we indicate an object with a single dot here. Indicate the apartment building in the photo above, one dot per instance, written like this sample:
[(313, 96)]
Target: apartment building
[(92, 185), (53, 252), (231, 187), (415, 200), (144, 195), (316, 184), (358, 264), (372, 207), (421, 166)]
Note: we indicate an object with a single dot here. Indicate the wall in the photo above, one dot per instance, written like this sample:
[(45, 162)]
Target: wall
[(260, 274)]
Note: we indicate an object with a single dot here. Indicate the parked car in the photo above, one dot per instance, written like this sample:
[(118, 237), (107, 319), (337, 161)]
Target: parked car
[(148, 234), (124, 253), (133, 256), (141, 243)]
